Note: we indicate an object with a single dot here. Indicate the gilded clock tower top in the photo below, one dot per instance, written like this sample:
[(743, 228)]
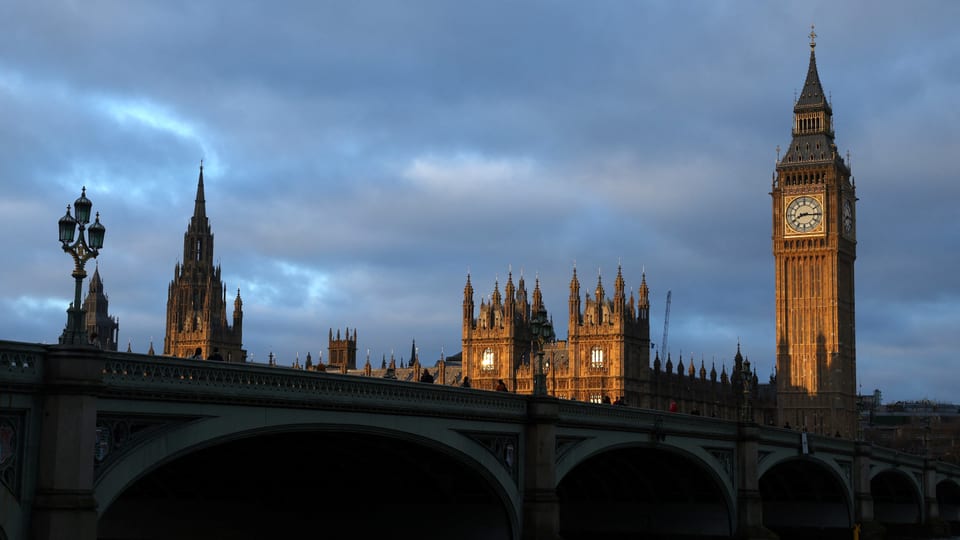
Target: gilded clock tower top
[(813, 136)]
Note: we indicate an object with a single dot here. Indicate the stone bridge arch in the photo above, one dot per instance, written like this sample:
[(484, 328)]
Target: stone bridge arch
[(948, 499), (483, 450), (804, 493), (897, 495), (636, 486)]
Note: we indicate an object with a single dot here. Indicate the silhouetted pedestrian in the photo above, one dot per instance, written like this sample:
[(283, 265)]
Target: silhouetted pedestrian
[(466, 382), (501, 386), (198, 354), (216, 355), (426, 377)]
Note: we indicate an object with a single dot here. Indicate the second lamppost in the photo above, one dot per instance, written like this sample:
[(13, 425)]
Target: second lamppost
[(542, 330)]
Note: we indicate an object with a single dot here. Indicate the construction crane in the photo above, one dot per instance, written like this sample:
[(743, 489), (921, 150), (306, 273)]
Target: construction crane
[(666, 324)]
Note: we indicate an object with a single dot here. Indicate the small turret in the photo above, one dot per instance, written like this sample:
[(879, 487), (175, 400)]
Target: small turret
[(574, 302)]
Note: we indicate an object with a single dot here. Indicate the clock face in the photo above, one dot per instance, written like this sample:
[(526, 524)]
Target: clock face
[(804, 214), (847, 216)]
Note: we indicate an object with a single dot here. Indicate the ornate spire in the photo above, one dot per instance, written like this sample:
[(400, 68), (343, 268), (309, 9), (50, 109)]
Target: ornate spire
[(574, 303), (601, 295), (537, 296), (96, 284), (200, 203), (644, 300), (468, 289), (812, 94), (510, 293), (618, 285)]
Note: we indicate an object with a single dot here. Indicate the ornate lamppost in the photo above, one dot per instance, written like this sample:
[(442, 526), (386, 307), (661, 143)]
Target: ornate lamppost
[(84, 249), (542, 330)]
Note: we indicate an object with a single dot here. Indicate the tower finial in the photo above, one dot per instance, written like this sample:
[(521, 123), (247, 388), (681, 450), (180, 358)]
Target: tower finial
[(813, 38)]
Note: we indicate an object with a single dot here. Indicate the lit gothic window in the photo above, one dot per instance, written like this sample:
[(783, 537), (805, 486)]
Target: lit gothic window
[(486, 363), (596, 357), (596, 398)]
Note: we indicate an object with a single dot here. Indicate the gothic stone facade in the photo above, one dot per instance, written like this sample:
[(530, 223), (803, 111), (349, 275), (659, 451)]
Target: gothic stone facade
[(605, 358), (197, 298)]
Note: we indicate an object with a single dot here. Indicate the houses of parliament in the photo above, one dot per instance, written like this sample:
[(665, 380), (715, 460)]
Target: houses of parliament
[(607, 354)]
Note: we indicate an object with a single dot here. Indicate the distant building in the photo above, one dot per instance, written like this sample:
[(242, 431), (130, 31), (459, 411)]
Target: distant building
[(342, 351), (924, 428), (197, 298), (102, 329)]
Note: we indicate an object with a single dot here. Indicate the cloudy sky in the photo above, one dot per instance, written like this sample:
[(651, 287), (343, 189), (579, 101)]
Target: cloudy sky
[(362, 157)]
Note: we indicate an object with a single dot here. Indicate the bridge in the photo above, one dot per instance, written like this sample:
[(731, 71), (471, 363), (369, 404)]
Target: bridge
[(110, 445)]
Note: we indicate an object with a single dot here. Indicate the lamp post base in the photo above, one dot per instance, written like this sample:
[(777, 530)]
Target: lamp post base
[(75, 333)]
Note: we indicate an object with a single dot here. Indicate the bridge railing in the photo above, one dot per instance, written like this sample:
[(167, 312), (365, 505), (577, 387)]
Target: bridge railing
[(21, 363), (141, 376), (591, 415)]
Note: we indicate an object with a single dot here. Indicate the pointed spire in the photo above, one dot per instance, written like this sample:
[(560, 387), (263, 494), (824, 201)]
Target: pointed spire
[(96, 284), (200, 203), (574, 284), (468, 289), (511, 295), (150, 351), (644, 300), (812, 94), (537, 296)]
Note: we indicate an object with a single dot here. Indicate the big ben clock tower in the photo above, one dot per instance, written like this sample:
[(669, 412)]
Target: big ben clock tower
[(814, 247)]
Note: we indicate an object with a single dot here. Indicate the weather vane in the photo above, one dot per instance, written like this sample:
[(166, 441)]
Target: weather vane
[(813, 38)]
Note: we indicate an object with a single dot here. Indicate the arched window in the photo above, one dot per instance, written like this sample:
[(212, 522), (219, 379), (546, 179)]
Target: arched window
[(486, 363), (596, 357)]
